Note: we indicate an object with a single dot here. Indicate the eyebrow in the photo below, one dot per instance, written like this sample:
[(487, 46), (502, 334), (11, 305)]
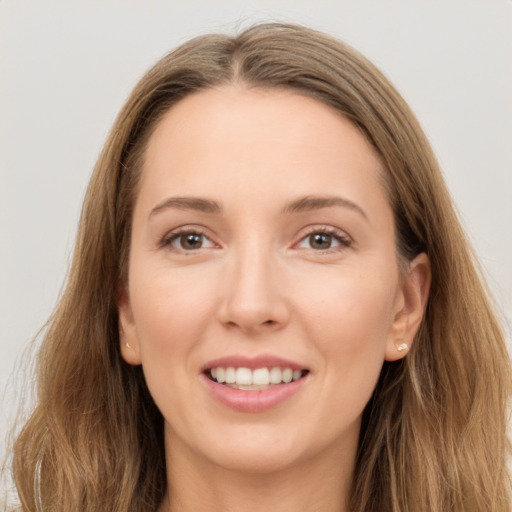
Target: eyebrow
[(309, 203), (303, 204), (188, 203)]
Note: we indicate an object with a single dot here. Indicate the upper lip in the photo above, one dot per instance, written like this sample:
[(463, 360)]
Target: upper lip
[(261, 361)]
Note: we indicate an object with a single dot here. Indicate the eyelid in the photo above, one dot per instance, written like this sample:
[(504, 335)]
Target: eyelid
[(341, 236), (172, 235)]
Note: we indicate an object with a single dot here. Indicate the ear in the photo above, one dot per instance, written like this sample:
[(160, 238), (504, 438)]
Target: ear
[(128, 339), (410, 307)]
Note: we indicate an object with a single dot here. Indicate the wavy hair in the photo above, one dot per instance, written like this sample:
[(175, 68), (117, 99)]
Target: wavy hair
[(433, 436)]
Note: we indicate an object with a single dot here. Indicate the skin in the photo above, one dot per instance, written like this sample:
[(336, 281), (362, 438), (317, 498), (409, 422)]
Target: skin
[(256, 284)]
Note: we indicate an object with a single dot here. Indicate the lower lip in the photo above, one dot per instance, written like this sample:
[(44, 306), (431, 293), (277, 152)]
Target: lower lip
[(252, 401)]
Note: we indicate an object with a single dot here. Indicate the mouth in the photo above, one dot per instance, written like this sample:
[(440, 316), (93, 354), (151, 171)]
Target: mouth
[(257, 379), (255, 384)]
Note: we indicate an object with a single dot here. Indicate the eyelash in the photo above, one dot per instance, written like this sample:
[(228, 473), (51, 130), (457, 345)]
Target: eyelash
[(175, 235), (336, 234), (339, 236)]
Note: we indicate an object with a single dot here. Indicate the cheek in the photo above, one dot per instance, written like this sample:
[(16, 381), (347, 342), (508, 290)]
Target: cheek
[(350, 304), (349, 318), (170, 309), (171, 314)]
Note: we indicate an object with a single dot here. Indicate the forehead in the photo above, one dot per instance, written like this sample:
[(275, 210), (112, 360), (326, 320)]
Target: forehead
[(233, 138)]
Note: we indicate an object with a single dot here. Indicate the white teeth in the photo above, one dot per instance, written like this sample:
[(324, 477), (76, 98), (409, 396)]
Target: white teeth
[(276, 375), (260, 378), (230, 375), (221, 375), (243, 377), (287, 375)]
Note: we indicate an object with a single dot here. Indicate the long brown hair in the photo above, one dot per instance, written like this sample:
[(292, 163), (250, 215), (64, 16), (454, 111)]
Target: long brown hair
[(433, 436)]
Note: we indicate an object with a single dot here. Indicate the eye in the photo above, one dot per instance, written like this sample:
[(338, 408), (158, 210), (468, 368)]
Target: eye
[(324, 240), (189, 240)]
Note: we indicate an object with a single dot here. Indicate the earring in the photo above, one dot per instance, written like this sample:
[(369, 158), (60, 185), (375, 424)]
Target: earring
[(401, 347), (128, 345)]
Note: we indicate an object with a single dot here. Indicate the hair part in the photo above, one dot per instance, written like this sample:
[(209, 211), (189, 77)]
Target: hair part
[(434, 433)]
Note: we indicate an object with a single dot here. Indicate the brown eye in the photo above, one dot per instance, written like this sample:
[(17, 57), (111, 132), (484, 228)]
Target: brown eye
[(190, 241), (325, 240), (320, 241)]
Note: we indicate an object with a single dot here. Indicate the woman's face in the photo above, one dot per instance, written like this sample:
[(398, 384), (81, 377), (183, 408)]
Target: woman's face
[(263, 250)]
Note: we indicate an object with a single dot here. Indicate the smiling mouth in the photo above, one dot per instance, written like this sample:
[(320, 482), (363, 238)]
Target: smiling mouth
[(254, 380)]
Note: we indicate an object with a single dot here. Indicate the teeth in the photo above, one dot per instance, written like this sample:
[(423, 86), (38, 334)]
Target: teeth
[(260, 378), (230, 375), (287, 375), (221, 375), (243, 377), (276, 375)]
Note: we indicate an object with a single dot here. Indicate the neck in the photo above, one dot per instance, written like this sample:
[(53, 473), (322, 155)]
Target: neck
[(316, 484)]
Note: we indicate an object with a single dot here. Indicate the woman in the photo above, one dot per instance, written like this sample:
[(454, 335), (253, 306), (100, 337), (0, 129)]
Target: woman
[(271, 304)]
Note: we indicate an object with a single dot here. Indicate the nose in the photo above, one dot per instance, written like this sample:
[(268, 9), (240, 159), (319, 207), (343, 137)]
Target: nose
[(254, 293)]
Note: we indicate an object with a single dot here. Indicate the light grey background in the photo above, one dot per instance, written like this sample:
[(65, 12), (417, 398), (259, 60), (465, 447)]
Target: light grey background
[(66, 68)]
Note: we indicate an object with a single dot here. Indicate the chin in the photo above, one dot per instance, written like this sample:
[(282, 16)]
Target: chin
[(253, 449), (258, 461)]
